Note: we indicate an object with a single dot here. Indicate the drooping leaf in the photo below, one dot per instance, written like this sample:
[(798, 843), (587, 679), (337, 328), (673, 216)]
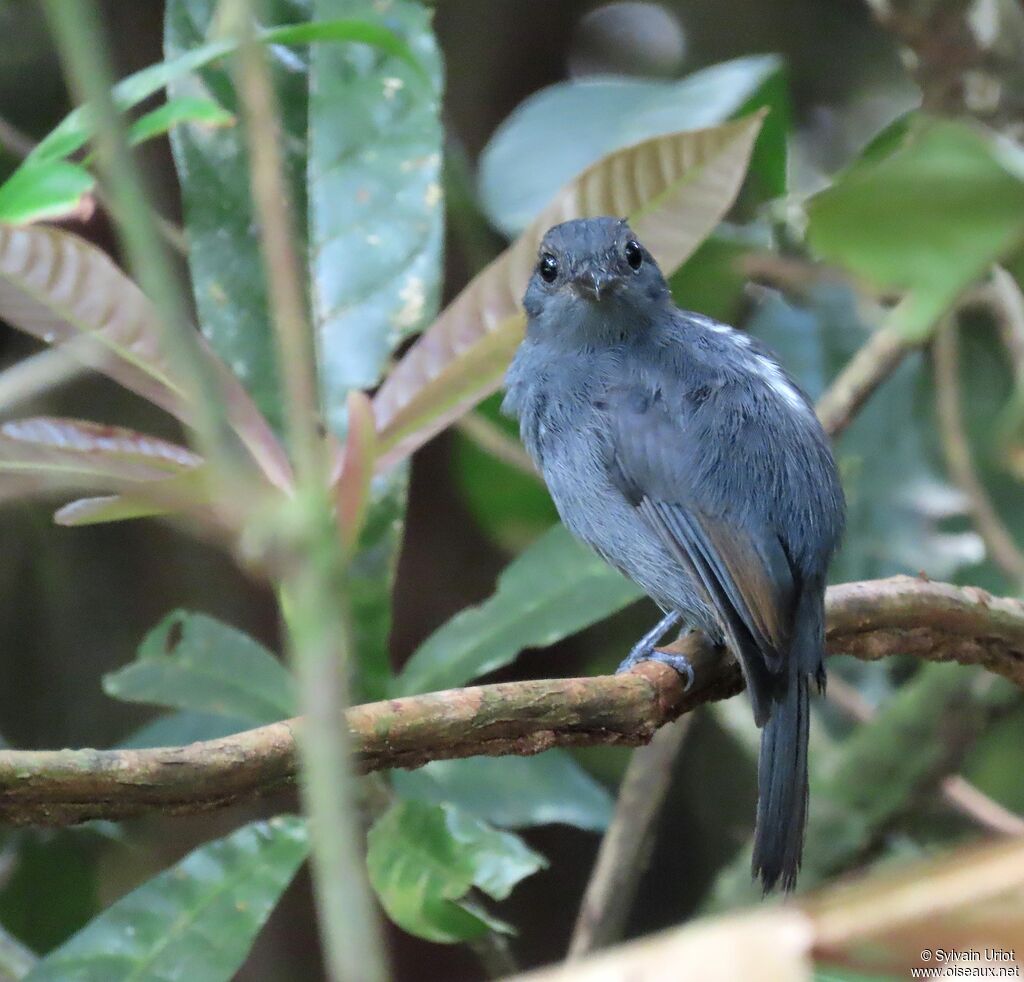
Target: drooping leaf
[(513, 792), (47, 454), (572, 125), (66, 292), (123, 507), (423, 860), (373, 177), (375, 208), (191, 661), (57, 287), (196, 920), (675, 190), (174, 112), (928, 218), (553, 589), (49, 190)]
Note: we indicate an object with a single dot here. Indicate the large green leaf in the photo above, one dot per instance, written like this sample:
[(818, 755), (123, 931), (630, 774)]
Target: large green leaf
[(224, 255), (928, 218), (513, 792), (196, 920), (553, 589), (375, 225), (375, 209), (571, 125), (191, 661), (675, 190), (424, 859)]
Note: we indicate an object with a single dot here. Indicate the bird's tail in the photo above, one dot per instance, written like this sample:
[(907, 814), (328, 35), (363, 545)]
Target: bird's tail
[(782, 766)]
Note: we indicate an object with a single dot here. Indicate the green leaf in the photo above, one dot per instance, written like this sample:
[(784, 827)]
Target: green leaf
[(928, 219), (224, 256), (45, 186), (47, 190), (191, 661), (174, 112), (423, 860), (196, 920), (224, 259), (675, 190), (553, 589), (513, 792), (375, 204), (572, 125), (77, 127), (182, 728)]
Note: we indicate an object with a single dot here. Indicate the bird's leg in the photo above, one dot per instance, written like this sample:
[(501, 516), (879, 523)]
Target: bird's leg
[(645, 650)]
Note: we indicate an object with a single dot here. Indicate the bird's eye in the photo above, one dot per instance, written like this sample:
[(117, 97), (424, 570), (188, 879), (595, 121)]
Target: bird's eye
[(634, 255), (548, 268)]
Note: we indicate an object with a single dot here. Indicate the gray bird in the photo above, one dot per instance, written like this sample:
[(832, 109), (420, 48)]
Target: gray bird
[(683, 453)]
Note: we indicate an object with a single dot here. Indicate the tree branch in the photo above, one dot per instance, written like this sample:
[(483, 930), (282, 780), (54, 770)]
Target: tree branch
[(870, 620)]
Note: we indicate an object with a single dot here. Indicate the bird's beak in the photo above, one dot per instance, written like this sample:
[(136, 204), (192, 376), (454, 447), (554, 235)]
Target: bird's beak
[(594, 284)]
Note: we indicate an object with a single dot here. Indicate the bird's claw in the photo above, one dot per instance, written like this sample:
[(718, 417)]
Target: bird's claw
[(679, 662), (645, 650)]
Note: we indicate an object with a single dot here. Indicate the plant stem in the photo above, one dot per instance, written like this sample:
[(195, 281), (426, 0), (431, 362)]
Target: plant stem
[(321, 645), (314, 584), (296, 344)]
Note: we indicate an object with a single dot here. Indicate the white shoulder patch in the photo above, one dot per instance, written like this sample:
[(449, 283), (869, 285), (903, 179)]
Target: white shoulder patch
[(777, 382)]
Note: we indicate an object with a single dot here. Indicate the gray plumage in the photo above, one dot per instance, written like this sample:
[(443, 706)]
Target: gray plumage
[(688, 459)]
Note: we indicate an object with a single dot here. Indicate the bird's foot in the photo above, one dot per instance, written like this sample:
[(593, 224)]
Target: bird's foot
[(645, 650)]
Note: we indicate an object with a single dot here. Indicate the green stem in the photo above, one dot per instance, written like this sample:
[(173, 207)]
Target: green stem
[(315, 578), (321, 642)]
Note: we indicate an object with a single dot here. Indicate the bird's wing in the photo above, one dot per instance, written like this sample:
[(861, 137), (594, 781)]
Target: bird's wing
[(711, 518)]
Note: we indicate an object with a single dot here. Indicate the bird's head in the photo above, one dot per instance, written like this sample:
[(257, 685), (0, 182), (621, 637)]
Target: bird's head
[(592, 273)]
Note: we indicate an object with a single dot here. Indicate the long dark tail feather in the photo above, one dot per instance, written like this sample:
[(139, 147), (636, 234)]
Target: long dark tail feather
[(782, 766), (782, 790)]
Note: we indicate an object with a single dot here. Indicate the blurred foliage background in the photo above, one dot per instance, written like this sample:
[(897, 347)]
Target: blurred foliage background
[(77, 602)]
